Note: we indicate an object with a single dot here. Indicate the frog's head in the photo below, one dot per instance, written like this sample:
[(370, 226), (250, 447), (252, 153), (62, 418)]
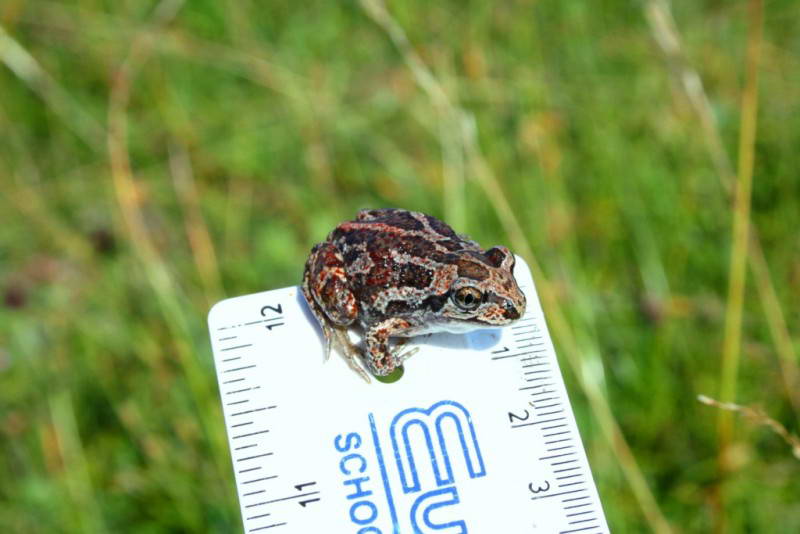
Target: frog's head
[(485, 292)]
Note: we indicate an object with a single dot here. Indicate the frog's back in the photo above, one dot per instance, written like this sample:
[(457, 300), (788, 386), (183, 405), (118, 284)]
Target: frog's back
[(396, 259), (392, 226)]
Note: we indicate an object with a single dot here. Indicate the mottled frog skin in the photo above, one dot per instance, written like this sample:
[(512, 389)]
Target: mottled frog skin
[(399, 273)]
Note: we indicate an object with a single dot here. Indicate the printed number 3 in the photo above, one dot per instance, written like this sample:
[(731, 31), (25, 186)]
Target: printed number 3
[(540, 488)]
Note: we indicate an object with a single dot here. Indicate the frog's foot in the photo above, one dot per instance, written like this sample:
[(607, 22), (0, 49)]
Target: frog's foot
[(401, 353), (350, 352), (381, 359)]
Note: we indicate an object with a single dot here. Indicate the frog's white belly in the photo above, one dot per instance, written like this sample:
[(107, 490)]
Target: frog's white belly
[(450, 327)]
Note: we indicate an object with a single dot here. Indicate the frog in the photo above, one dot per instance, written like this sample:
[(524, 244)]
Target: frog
[(399, 274)]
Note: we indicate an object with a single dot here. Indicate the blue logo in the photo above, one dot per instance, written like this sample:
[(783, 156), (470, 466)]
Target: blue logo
[(430, 452), (437, 452)]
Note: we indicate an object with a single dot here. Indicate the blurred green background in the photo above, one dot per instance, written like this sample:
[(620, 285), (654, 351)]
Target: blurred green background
[(156, 157)]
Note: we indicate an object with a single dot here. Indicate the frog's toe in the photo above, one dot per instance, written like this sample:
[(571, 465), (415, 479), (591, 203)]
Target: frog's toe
[(354, 365), (350, 352), (328, 340), (401, 353)]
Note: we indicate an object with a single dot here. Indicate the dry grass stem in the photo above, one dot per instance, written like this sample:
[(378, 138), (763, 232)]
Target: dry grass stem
[(25, 66), (741, 223), (77, 476), (759, 417), (776, 322), (200, 241), (666, 35)]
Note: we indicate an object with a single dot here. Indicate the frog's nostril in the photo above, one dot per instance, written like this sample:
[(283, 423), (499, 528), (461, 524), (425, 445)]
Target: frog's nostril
[(511, 311)]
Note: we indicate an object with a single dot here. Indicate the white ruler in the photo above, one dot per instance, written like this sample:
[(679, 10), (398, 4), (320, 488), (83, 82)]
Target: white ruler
[(478, 435)]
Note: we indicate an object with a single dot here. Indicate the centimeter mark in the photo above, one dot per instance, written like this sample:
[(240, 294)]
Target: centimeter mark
[(237, 347), (251, 323), (282, 499), (267, 526)]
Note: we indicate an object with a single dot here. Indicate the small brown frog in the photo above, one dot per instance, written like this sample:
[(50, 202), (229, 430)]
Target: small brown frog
[(399, 273)]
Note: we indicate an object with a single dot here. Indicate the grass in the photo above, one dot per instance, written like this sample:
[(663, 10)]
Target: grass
[(732, 340), (158, 156)]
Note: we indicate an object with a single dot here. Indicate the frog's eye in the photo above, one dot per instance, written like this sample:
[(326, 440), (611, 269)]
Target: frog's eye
[(468, 298)]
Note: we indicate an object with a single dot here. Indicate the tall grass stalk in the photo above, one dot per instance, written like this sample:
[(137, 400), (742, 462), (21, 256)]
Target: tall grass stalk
[(731, 351)]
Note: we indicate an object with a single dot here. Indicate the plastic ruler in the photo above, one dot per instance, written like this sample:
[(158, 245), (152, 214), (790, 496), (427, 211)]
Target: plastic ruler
[(477, 436)]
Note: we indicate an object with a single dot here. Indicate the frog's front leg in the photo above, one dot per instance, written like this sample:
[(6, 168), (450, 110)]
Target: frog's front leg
[(380, 358)]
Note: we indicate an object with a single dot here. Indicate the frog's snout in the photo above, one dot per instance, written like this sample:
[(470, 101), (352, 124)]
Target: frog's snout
[(511, 311)]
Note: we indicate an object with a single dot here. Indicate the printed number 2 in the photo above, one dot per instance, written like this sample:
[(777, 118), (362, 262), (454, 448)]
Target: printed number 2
[(275, 309), (512, 416)]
